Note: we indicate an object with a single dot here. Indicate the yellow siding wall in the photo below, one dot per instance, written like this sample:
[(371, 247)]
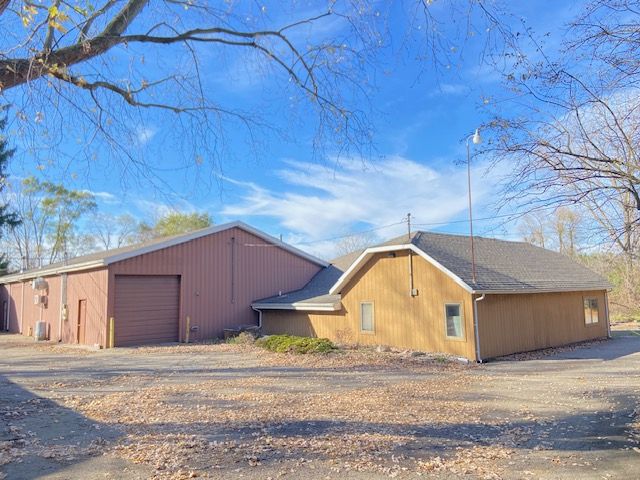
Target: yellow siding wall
[(520, 323), (400, 320)]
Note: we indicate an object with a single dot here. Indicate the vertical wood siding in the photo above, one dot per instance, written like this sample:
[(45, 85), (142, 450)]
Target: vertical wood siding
[(400, 320), (221, 274), (520, 323)]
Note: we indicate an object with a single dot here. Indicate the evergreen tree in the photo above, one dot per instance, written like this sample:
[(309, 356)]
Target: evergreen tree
[(8, 219)]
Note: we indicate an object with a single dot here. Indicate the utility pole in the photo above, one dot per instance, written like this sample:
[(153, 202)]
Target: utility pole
[(476, 140), (409, 227)]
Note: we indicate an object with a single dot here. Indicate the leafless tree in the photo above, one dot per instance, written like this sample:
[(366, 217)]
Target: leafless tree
[(560, 230), (574, 137), (533, 228), (354, 243), (98, 73), (113, 231)]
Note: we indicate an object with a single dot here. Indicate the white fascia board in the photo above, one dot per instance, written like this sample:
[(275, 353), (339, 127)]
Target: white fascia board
[(48, 272), (355, 266), (209, 231), (310, 307)]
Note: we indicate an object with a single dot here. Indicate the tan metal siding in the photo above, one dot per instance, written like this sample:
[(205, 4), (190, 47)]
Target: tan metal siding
[(524, 322), (92, 287), (146, 309), (400, 320), (205, 265)]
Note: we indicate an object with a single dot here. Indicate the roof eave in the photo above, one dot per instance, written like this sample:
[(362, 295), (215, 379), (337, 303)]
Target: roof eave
[(209, 231), (47, 272), (108, 260), (299, 306)]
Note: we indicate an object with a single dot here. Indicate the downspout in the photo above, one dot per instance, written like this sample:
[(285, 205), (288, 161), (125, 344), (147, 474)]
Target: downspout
[(412, 291), (475, 326), (63, 303), (259, 317), (22, 308), (606, 312)]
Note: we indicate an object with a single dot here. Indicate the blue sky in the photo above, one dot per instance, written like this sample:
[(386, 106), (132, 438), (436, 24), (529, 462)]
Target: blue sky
[(421, 117)]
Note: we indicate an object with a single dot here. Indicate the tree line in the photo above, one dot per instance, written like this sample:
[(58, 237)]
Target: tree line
[(44, 222)]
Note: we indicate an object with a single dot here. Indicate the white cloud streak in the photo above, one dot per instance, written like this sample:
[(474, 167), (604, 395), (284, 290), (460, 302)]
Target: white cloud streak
[(320, 203)]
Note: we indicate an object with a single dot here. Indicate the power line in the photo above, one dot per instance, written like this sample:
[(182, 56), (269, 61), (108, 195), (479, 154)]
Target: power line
[(352, 234)]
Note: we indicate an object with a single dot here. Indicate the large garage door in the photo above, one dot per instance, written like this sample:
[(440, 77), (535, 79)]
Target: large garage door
[(146, 309)]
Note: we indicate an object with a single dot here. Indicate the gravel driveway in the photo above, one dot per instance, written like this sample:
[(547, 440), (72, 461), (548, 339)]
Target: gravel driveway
[(222, 411)]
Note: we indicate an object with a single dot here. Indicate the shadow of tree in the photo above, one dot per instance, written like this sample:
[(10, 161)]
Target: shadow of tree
[(39, 437)]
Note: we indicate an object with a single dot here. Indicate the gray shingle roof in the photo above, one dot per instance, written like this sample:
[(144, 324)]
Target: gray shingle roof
[(507, 266), (317, 290), (501, 266)]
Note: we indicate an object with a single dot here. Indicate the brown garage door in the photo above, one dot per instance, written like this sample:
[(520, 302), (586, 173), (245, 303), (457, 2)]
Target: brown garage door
[(146, 309)]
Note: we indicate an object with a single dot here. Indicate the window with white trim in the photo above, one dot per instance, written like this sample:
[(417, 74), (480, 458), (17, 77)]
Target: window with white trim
[(454, 323), (590, 310), (366, 317)]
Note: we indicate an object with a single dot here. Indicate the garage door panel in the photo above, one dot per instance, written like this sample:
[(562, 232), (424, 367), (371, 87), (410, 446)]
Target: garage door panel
[(146, 309)]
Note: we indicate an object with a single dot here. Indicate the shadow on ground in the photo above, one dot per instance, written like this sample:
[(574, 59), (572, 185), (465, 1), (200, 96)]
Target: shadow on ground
[(41, 439)]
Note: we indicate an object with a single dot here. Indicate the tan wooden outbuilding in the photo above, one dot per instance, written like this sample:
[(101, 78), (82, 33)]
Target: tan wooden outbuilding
[(418, 293)]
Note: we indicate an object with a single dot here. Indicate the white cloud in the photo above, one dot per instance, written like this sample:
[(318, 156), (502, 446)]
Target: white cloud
[(145, 134), (104, 197), (451, 89), (321, 203), (153, 209)]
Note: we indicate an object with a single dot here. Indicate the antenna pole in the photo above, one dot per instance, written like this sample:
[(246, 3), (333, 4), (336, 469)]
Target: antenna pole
[(473, 253)]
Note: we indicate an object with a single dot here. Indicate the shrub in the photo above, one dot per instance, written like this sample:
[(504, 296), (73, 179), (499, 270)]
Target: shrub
[(244, 338), (289, 343)]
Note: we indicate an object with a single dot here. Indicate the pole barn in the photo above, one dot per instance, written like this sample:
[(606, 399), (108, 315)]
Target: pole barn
[(210, 276)]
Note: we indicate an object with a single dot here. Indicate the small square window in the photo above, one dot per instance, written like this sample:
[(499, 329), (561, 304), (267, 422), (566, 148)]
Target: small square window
[(453, 320), (366, 316), (590, 311)]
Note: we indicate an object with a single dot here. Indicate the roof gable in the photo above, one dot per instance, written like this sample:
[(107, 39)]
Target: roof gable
[(348, 275), (107, 257), (501, 266)]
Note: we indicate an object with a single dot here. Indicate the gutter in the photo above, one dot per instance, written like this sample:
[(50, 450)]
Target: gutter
[(49, 272), (475, 326), (529, 291)]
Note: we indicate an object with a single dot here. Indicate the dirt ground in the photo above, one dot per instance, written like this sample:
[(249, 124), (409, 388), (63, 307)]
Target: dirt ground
[(227, 411)]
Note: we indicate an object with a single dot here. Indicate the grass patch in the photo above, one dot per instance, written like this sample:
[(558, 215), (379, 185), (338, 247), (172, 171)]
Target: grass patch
[(625, 317), (244, 338), (291, 344)]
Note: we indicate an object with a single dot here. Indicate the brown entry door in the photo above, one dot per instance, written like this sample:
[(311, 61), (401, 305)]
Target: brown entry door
[(82, 320), (146, 309)]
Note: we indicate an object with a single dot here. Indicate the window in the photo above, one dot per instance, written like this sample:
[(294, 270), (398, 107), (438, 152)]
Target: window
[(366, 316), (453, 320), (590, 311)]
